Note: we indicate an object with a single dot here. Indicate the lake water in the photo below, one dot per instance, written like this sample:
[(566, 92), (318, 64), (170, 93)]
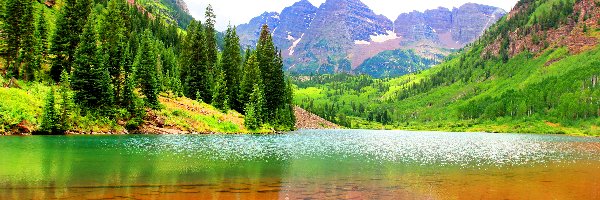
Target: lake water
[(319, 164)]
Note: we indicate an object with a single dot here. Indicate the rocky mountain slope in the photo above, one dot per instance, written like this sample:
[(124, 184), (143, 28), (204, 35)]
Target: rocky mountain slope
[(535, 71), (340, 35), (172, 11)]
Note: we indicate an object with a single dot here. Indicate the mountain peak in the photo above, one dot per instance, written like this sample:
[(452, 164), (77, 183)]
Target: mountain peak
[(303, 3)]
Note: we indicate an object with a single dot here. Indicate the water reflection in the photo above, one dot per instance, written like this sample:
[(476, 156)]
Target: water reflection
[(308, 164)]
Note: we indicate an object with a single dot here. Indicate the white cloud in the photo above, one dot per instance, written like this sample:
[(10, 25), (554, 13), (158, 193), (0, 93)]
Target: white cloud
[(241, 11)]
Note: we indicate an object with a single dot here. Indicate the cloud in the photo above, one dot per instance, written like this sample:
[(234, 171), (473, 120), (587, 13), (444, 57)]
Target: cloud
[(241, 11)]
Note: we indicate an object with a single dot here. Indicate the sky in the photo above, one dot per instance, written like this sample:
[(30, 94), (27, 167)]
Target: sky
[(236, 12)]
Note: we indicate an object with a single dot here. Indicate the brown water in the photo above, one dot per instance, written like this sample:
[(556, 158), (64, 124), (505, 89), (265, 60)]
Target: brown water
[(346, 164)]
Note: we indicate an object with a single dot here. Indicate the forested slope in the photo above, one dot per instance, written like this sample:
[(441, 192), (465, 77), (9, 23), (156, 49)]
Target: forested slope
[(85, 66), (534, 71)]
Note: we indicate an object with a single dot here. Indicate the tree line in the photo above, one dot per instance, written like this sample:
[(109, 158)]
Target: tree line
[(109, 56)]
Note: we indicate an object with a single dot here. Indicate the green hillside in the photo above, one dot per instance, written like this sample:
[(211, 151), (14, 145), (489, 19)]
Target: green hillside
[(112, 66), (535, 72)]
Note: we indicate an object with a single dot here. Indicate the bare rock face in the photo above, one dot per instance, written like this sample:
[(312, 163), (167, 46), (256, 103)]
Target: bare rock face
[(471, 20), (250, 32), (286, 27), (342, 34), (451, 29), (181, 4)]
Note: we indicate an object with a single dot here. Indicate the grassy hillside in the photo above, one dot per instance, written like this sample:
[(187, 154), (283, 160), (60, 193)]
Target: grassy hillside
[(498, 84), (22, 110)]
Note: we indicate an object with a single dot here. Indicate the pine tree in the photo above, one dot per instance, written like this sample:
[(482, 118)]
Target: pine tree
[(50, 118), (42, 34), (198, 77), (13, 30), (251, 77), (66, 104), (129, 96), (3, 27), (145, 70), (113, 43), (254, 109), (211, 38), (69, 25), (91, 81), (231, 61), (29, 53), (220, 98), (271, 68)]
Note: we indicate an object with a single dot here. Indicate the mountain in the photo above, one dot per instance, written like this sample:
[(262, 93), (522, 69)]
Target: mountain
[(534, 71), (172, 11), (341, 35), (449, 28)]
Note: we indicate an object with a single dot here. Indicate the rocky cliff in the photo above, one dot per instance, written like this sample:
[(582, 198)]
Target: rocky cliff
[(340, 35)]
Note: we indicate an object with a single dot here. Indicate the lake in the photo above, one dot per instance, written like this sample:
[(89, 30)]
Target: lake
[(310, 164)]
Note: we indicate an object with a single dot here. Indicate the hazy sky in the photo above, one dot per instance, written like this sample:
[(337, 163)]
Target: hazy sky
[(241, 11)]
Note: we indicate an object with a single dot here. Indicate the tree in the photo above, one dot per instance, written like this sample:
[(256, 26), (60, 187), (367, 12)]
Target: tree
[(69, 25), (66, 104), (271, 68), (230, 64), (211, 38), (250, 77), (16, 27), (28, 54), (113, 39), (198, 77), (42, 34), (91, 81), (50, 119), (254, 109), (220, 97), (145, 70)]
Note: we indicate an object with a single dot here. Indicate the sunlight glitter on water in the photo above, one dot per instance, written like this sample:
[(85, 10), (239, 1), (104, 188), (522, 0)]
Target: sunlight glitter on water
[(423, 148)]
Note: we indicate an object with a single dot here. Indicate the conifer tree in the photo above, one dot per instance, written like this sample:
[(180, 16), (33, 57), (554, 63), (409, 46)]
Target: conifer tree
[(129, 96), (211, 38), (14, 31), (28, 55), (199, 78), (250, 77), (3, 29), (50, 118), (254, 109), (42, 34), (66, 104), (91, 81), (69, 25), (271, 69), (146, 71), (113, 43), (231, 61), (220, 98)]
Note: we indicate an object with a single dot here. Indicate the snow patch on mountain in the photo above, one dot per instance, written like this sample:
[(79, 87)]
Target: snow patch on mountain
[(291, 49), (362, 42), (390, 35)]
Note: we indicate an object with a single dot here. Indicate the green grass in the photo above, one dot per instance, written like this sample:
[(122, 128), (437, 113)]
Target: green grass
[(441, 107)]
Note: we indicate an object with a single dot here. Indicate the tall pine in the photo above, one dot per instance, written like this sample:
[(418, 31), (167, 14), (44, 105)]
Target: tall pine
[(251, 76), (66, 38), (198, 80), (220, 97), (90, 80), (42, 33), (211, 38), (16, 11), (28, 55), (146, 71), (231, 60), (271, 69), (112, 37)]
